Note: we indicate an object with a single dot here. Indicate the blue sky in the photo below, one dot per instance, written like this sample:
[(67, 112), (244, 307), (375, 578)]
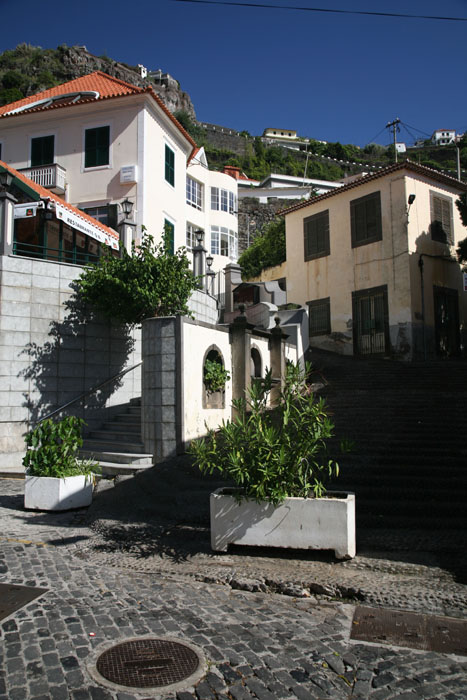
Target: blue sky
[(329, 76)]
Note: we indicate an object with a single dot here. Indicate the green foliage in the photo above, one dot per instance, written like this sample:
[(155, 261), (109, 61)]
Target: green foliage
[(272, 454), (197, 133), (215, 376), (150, 282), (10, 95), (53, 449), (267, 250)]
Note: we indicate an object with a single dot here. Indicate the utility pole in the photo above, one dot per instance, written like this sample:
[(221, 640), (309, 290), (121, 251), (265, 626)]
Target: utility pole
[(393, 125)]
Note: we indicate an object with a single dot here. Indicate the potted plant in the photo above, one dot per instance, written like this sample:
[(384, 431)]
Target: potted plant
[(278, 463), (55, 478)]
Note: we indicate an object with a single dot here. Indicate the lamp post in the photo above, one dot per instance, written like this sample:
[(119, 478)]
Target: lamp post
[(210, 274), (127, 226), (199, 257)]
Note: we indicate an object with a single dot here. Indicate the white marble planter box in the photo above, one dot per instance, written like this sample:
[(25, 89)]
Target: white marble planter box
[(50, 493), (297, 523)]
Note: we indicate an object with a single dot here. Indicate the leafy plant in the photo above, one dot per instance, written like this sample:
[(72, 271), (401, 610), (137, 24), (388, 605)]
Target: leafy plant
[(53, 449), (272, 454), (151, 281), (267, 250), (215, 375)]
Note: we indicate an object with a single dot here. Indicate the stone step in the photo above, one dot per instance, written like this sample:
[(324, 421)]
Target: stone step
[(122, 427), (128, 418), (115, 434), (119, 469), (106, 445), (143, 459)]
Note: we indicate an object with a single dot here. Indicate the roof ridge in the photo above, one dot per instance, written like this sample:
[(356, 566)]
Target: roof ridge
[(113, 78), (407, 164)]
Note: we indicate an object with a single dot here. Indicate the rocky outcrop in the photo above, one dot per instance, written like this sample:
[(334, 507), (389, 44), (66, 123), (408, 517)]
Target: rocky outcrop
[(77, 61)]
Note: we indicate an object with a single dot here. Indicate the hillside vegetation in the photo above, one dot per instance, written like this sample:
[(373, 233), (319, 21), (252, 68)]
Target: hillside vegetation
[(28, 69)]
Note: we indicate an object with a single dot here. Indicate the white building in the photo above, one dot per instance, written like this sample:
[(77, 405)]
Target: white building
[(97, 141), (277, 186), (443, 137)]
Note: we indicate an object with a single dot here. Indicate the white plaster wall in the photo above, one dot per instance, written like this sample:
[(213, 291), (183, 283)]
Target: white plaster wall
[(262, 345), (196, 340)]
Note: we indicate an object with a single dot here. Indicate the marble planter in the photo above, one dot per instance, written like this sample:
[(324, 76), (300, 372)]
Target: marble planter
[(297, 523), (50, 493)]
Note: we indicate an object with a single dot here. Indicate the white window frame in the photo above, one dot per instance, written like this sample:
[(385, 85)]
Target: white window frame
[(224, 242), (190, 235), (87, 127), (194, 193)]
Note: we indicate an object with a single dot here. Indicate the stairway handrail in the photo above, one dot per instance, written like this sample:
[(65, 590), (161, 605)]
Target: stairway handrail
[(93, 389)]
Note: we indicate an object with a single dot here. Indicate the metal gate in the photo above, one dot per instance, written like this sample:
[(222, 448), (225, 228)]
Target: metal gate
[(370, 321), (447, 333)]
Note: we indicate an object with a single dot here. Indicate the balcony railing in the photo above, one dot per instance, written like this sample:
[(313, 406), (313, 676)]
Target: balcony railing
[(52, 177)]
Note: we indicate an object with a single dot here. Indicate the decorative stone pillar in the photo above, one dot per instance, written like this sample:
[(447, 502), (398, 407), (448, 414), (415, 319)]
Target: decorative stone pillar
[(126, 230), (233, 277), (241, 342), (277, 354), (160, 387), (7, 206)]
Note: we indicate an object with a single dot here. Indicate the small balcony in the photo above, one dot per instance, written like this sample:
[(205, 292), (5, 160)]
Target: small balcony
[(52, 177)]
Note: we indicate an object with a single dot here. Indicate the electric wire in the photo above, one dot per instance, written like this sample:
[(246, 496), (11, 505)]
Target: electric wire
[(321, 9)]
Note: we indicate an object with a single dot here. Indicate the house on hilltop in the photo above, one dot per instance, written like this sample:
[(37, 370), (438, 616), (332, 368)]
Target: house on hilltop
[(375, 263), (97, 142)]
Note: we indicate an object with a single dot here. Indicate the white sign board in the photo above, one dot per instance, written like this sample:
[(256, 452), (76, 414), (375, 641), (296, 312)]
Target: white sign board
[(81, 224), (128, 174), (26, 210)]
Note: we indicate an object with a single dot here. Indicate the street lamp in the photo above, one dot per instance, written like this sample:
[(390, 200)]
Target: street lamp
[(127, 207), (6, 179)]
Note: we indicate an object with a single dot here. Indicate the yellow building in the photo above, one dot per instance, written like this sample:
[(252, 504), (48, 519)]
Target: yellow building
[(375, 262)]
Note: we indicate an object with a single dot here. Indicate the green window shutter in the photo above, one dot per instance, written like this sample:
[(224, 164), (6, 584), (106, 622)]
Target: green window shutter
[(42, 151), (96, 147), (365, 219), (112, 219), (169, 230), (169, 165), (316, 236)]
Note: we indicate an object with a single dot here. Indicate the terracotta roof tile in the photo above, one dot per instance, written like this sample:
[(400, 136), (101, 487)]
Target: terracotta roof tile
[(105, 85), (46, 194), (407, 165)]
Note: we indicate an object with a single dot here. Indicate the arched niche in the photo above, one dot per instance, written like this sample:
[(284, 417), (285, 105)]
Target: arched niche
[(212, 399), (256, 364)]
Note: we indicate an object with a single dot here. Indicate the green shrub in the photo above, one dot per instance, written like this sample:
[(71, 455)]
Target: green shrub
[(53, 449), (272, 454), (215, 376), (152, 281), (267, 250)]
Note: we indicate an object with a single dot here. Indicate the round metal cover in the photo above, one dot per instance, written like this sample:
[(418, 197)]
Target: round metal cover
[(148, 663)]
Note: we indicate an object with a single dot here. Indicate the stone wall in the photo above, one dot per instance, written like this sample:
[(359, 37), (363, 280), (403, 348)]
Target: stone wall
[(253, 216), (50, 352), (227, 139)]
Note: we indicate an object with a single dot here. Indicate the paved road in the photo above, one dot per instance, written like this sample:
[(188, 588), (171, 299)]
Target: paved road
[(259, 644)]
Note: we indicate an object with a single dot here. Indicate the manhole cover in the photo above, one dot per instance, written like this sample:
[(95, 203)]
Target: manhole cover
[(151, 663), (13, 597), (405, 629)]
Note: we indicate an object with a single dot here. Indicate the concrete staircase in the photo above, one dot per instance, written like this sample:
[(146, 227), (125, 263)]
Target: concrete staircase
[(409, 464), (117, 445)]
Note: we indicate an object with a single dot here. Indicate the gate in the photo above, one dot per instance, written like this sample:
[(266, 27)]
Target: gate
[(371, 321), (447, 333)]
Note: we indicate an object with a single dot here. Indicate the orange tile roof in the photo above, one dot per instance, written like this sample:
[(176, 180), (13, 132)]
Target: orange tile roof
[(406, 165), (46, 194), (105, 85)]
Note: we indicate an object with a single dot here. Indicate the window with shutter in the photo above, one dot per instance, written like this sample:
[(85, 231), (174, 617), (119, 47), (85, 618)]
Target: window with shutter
[(319, 316), (96, 147), (365, 219), (169, 231), (441, 218), (316, 235), (42, 151), (169, 165)]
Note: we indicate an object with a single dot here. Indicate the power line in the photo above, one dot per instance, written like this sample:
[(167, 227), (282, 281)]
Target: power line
[(321, 9)]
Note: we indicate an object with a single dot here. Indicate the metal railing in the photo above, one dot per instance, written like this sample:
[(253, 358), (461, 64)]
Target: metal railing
[(42, 252), (49, 176), (89, 392)]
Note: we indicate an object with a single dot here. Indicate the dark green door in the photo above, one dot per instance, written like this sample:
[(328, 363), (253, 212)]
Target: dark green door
[(370, 321), (447, 332)]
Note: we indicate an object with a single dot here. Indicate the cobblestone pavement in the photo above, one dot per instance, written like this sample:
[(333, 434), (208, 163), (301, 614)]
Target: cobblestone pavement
[(258, 644)]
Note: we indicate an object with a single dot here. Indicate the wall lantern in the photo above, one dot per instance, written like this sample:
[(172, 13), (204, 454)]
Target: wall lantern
[(127, 207)]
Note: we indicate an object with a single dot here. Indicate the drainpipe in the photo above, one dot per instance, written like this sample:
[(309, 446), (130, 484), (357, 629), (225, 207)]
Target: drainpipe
[(422, 288)]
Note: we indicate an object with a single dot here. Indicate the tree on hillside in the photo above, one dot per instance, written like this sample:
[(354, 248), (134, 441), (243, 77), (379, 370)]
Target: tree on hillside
[(267, 250)]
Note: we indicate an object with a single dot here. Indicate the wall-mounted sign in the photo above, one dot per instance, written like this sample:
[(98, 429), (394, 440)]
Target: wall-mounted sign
[(128, 174), (26, 210)]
